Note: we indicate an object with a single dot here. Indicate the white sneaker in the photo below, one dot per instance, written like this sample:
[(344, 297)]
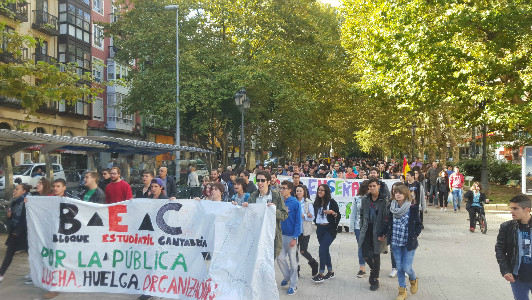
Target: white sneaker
[(1, 278), (27, 276), (441, 209), (445, 210), (393, 273)]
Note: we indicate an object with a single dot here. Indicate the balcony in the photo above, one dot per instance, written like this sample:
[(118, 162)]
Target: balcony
[(10, 57), (45, 22), (15, 11), (45, 58), (10, 102)]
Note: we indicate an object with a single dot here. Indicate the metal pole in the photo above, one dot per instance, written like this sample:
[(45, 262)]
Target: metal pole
[(177, 130), (242, 155)]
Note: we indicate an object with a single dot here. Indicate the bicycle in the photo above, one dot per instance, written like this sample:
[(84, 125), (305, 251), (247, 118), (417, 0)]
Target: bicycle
[(480, 219)]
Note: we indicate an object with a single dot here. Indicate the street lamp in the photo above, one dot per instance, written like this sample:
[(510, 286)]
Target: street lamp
[(177, 131), (484, 171), (414, 126), (243, 103)]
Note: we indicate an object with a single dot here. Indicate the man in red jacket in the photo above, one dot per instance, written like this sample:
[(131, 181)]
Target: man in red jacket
[(117, 190)]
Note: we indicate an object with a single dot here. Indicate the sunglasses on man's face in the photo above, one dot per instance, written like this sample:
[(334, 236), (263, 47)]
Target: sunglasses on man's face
[(261, 180)]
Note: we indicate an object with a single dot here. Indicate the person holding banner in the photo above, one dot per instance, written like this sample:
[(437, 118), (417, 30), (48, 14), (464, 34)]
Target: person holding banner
[(240, 197), (266, 196), (291, 229), (217, 191), (327, 216), (117, 190), (17, 238)]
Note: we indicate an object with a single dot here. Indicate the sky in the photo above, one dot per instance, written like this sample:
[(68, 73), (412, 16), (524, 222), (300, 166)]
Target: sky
[(332, 2)]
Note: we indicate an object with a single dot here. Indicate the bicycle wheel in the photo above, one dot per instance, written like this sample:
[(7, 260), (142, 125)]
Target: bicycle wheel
[(483, 224)]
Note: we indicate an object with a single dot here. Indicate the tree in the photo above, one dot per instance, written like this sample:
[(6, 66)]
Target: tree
[(448, 56), (287, 54)]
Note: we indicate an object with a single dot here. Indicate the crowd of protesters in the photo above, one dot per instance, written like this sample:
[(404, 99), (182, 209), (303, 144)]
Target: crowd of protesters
[(379, 218)]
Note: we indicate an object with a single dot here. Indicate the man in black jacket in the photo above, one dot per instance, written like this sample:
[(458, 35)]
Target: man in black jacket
[(513, 248), (93, 194), (169, 183)]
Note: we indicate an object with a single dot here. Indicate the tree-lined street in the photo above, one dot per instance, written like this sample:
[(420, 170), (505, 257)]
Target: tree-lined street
[(451, 263)]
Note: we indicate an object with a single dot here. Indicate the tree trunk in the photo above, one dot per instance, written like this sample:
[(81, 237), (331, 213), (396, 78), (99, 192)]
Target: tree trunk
[(432, 148)]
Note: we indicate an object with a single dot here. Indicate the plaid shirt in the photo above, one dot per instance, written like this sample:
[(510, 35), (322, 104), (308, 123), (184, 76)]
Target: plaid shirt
[(400, 230)]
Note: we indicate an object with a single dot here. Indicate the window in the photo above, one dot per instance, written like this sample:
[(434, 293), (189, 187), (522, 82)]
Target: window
[(74, 21), (73, 53), (114, 14), (97, 69), (110, 70), (97, 36), (118, 106), (97, 109), (121, 72), (39, 130), (97, 6), (6, 37)]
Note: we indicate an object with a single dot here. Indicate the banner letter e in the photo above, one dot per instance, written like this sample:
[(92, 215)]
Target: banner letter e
[(114, 219)]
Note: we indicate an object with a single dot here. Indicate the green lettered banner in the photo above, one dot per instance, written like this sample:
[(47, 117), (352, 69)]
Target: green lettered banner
[(342, 190), (182, 249)]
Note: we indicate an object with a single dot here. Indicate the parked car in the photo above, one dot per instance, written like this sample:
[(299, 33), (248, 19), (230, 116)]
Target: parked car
[(31, 173)]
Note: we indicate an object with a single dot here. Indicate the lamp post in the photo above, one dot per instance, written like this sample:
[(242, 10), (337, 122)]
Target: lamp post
[(484, 171), (177, 131), (243, 103), (413, 138)]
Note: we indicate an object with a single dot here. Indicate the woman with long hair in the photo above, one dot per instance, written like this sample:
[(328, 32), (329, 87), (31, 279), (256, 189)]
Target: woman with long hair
[(354, 224), (326, 217), (17, 238), (403, 228), (475, 204), (307, 215), (43, 188)]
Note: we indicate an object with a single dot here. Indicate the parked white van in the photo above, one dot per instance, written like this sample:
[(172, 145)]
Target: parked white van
[(31, 173)]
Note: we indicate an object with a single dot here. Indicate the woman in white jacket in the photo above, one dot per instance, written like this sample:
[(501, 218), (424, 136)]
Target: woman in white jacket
[(307, 210), (354, 224)]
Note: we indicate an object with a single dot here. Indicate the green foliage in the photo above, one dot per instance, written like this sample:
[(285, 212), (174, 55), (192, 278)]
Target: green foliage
[(462, 61), (499, 171), (36, 84), (287, 54)]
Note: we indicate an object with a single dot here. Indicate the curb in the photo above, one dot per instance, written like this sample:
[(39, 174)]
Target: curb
[(497, 207)]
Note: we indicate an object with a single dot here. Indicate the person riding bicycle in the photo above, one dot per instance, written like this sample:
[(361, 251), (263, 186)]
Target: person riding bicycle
[(475, 203)]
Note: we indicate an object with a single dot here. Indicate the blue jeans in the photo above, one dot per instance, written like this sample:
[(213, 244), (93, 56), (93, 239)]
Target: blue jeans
[(361, 261), (404, 260), (325, 239), (457, 197), (433, 194), (521, 290)]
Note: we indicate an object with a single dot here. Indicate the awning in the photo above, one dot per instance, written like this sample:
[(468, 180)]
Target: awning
[(12, 141)]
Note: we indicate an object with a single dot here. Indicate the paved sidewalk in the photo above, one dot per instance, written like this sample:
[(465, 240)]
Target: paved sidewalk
[(451, 263)]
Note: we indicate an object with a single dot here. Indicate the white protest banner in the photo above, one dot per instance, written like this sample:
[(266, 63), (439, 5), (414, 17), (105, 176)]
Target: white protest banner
[(342, 190), (181, 249)]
